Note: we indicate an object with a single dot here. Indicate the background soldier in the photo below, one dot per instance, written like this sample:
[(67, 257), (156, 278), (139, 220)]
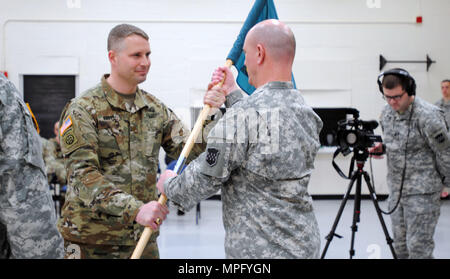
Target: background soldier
[(418, 161), (444, 104), (261, 155), (111, 137), (54, 160), (26, 207)]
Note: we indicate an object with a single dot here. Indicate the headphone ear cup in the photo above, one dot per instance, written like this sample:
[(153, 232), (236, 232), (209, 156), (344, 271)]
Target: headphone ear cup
[(411, 89)]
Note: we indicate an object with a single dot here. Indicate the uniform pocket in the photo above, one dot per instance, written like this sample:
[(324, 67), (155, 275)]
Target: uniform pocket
[(108, 148), (152, 143)]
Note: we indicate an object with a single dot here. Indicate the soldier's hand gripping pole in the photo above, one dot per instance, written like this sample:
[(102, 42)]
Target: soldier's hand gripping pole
[(178, 167)]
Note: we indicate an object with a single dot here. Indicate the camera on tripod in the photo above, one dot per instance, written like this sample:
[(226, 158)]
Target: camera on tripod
[(356, 133), (342, 128), (357, 136)]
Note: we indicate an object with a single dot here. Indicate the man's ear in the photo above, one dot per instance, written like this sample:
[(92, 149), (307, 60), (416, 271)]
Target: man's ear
[(112, 56), (261, 53)]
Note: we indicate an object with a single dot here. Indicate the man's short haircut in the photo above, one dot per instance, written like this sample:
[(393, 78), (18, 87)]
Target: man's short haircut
[(445, 80), (392, 81), (280, 40), (122, 31)]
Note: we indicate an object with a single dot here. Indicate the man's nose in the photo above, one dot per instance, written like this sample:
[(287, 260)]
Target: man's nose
[(145, 61)]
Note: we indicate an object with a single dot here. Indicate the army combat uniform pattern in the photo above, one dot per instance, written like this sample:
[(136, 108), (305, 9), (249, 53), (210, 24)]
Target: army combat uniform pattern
[(427, 170), (445, 106), (26, 206), (260, 155), (111, 151)]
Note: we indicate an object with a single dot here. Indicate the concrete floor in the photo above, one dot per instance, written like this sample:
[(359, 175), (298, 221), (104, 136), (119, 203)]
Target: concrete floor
[(182, 238)]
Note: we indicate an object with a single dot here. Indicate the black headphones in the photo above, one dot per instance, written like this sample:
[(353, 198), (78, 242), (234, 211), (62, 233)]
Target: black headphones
[(408, 82)]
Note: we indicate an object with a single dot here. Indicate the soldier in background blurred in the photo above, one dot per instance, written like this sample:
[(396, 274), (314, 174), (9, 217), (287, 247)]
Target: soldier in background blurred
[(444, 104), (53, 158), (26, 207)]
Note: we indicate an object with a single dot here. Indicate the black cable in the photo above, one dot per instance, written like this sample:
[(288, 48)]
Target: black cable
[(404, 168)]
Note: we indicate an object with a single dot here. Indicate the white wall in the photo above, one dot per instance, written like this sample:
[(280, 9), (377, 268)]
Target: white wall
[(338, 47)]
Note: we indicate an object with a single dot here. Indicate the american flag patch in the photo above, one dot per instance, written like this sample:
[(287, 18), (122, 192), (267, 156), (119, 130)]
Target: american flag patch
[(67, 123)]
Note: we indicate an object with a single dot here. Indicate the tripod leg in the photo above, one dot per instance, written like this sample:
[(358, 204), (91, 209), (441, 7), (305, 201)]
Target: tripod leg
[(373, 196), (356, 212), (332, 233)]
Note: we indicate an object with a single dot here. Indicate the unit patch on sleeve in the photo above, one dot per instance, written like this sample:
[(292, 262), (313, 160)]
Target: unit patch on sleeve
[(442, 140), (212, 156), (69, 138)]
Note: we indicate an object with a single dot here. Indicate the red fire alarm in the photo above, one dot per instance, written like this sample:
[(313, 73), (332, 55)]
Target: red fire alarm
[(5, 73), (419, 19)]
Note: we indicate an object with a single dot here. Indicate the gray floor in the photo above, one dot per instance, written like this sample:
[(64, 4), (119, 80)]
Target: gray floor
[(182, 238)]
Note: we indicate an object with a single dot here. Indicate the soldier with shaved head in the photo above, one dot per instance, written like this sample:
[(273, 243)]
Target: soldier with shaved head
[(260, 155)]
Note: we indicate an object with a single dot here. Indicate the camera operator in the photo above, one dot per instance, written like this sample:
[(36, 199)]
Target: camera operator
[(417, 145)]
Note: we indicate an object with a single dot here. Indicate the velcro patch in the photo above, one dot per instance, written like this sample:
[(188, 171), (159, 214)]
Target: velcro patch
[(212, 156), (69, 138), (441, 139), (67, 123)]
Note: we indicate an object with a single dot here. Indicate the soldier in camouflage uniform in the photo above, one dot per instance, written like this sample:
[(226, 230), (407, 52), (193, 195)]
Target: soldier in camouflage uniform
[(53, 158), (417, 145), (444, 104), (111, 136), (26, 207), (260, 155)]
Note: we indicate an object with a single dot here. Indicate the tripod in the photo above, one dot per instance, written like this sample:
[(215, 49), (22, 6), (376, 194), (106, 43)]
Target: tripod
[(361, 157)]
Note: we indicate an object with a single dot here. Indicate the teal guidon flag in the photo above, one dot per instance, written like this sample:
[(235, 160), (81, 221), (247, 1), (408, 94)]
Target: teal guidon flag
[(261, 10)]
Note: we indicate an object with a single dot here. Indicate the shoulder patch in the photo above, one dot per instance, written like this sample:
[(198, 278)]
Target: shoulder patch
[(212, 156), (66, 125), (441, 140), (69, 138)]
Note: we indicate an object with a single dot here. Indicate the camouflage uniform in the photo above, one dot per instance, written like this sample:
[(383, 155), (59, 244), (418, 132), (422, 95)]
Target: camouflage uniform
[(26, 207), (260, 155), (427, 169), (445, 106), (54, 160), (111, 151)]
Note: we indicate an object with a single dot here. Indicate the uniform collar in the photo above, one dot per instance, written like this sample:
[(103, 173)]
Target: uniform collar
[(443, 102), (116, 100), (409, 110), (275, 85), (279, 85)]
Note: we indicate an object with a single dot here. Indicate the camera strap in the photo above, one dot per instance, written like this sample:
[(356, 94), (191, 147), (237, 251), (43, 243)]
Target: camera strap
[(336, 167)]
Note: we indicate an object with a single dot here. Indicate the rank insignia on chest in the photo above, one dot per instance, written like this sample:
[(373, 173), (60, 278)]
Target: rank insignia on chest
[(212, 156)]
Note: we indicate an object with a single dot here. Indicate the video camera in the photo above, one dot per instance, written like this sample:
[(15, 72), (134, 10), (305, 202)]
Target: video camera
[(356, 133), (344, 132), (348, 134)]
